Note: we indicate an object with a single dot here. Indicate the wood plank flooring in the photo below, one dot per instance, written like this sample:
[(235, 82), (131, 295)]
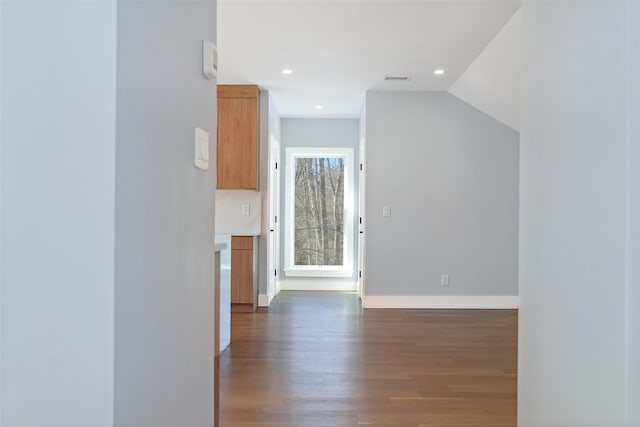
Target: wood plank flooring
[(317, 359)]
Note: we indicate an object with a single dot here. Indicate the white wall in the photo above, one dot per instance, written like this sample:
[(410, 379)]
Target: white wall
[(450, 175), (573, 283), (229, 216), (319, 133), (492, 82), (164, 217), (58, 182)]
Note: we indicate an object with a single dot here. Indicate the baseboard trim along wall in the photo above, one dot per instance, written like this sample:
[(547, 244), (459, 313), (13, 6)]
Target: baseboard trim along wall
[(277, 290), (450, 301), (318, 285), (264, 300)]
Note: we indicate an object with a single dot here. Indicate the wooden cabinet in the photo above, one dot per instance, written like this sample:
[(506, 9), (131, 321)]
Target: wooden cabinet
[(244, 273), (237, 152)]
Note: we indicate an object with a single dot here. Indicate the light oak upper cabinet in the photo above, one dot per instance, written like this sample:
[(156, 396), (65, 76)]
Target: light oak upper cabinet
[(237, 158)]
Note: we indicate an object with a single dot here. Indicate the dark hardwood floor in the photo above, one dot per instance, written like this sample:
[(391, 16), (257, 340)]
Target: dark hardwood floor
[(318, 359)]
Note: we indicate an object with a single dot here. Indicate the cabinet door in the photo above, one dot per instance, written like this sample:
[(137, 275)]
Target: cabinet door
[(241, 276), (237, 143)]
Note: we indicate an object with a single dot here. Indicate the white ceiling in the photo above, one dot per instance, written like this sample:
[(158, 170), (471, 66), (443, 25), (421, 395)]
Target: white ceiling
[(339, 49)]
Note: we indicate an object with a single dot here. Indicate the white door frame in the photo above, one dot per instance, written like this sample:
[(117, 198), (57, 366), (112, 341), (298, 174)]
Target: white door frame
[(361, 213), (273, 244)]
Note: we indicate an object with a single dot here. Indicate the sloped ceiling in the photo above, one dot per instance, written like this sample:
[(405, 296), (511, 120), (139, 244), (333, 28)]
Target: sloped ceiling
[(492, 82), (339, 49)]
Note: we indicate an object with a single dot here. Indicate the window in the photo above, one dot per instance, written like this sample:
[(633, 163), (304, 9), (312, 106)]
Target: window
[(319, 212)]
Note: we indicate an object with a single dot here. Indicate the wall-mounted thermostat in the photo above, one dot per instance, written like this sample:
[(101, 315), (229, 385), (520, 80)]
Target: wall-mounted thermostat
[(209, 60)]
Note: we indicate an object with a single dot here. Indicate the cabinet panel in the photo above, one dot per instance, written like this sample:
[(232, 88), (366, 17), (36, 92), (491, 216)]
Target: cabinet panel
[(241, 276), (241, 242), (237, 151), (238, 91)]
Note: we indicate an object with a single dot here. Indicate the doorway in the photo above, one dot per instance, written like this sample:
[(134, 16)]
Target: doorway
[(320, 206)]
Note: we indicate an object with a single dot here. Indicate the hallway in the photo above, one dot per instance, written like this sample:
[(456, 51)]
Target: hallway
[(318, 359)]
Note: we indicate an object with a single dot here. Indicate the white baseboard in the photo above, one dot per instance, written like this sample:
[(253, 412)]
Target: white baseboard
[(318, 285), (263, 300), (422, 301)]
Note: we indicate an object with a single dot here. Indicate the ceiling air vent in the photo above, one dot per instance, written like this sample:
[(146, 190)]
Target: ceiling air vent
[(397, 78)]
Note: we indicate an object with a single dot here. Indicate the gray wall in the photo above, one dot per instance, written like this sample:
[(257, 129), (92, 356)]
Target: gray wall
[(573, 285), (633, 281), (58, 179), (450, 175), (319, 133), (164, 217)]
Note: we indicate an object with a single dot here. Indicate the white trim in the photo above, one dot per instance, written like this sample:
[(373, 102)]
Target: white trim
[(291, 153), (264, 300), (319, 271), (362, 195), (442, 301), (319, 285)]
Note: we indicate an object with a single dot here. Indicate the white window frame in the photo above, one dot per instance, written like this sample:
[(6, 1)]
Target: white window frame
[(346, 270)]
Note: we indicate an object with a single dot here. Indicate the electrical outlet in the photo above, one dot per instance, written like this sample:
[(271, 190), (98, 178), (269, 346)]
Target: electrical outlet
[(246, 209), (444, 280)]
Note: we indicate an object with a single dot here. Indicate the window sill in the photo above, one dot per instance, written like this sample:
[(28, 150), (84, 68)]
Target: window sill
[(318, 272)]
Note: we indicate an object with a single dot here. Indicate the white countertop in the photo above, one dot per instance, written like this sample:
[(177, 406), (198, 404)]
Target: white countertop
[(220, 247)]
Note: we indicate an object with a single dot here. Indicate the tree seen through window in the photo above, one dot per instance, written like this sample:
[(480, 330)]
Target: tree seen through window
[(319, 211)]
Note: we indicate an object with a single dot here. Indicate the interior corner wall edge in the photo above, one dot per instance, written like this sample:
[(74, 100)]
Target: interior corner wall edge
[(633, 179), (450, 176), (0, 215), (164, 305), (573, 204), (58, 184)]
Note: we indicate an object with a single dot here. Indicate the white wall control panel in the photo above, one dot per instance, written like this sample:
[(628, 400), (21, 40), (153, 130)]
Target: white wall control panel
[(209, 60), (386, 211), (202, 149)]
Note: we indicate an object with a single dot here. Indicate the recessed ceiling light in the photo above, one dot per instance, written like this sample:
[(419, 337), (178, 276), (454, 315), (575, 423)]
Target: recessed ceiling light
[(287, 71), (438, 72), (319, 107)]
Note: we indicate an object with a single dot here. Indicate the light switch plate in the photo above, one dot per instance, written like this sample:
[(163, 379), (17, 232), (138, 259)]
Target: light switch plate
[(386, 211), (444, 280), (202, 149)]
